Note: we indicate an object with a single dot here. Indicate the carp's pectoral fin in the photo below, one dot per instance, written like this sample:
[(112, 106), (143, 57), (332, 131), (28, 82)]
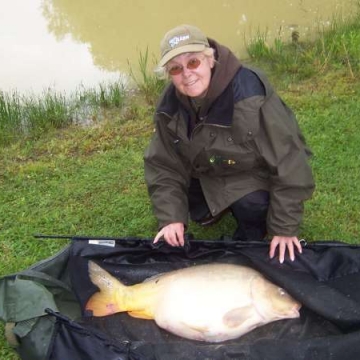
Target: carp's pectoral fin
[(238, 316), (141, 314)]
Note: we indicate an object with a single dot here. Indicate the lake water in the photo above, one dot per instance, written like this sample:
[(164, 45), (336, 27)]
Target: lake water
[(63, 44)]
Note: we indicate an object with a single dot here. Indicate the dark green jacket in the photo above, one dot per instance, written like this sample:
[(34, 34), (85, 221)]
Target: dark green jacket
[(246, 140)]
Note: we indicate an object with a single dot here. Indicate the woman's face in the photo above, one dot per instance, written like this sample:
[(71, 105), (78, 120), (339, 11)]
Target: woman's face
[(191, 73)]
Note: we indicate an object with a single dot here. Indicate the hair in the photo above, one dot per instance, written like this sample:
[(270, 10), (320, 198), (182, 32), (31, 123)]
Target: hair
[(162, 73)]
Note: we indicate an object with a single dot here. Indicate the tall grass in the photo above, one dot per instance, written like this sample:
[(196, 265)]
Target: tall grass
[(339, 46), (105, 95), (148, 83), (40, 114), (10, 117), (30, 116), (335, 47)]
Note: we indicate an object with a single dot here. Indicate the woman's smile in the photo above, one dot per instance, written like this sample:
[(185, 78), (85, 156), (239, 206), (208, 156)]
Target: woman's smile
[(191, 80)]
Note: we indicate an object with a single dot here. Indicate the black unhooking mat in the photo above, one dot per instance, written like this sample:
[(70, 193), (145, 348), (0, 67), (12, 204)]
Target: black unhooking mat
[(42, 305)]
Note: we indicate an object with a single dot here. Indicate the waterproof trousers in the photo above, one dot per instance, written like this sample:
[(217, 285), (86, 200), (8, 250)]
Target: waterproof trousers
[(250, 212)]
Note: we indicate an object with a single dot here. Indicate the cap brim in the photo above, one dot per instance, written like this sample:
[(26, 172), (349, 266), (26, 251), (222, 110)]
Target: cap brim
[(181, 50)]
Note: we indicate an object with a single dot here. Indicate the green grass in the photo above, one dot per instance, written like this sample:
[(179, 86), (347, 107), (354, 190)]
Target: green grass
[(329, 118), (335, 48), (89, 180), (30, 116), (149, 85)]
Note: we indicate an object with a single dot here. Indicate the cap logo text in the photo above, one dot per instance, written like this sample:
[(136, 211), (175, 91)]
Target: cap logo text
[(176, 39)]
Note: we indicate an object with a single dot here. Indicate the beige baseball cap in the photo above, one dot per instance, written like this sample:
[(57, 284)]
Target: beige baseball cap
[(180, 40)]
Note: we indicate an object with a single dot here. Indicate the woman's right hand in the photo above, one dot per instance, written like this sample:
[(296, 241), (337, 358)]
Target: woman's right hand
[(173, 234)]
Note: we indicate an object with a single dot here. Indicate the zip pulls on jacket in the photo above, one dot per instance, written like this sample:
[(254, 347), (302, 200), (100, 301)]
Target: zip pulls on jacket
[(217, 159)]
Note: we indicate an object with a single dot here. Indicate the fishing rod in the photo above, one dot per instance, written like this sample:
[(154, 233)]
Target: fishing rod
[(189, 238), (227, 241), (86, 238)]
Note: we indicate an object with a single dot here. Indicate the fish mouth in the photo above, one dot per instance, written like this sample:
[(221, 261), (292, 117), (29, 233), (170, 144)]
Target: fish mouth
[(290, 313), (296, 310)]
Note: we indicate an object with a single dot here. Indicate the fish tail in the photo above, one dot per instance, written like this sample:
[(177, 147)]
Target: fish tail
[(105, 302)]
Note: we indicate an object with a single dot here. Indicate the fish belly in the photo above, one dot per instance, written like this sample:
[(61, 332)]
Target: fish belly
[(214, 308)]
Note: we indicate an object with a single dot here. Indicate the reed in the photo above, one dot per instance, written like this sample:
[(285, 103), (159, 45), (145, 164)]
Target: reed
[(39, 114), (147, 82), (339, 46), (106, 95), (10, 117), (30, 116), (335, 47)]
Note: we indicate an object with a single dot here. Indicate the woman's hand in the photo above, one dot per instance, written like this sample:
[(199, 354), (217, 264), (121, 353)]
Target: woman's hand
[(173, 234), (284, 242)]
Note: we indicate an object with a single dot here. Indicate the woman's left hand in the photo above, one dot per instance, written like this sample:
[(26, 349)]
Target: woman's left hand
[(284, 242)]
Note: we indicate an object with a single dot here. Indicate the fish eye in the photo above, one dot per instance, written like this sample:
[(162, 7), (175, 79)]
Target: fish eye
[(282, 292)]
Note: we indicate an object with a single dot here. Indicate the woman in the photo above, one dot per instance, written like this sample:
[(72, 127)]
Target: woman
[(224, 141)]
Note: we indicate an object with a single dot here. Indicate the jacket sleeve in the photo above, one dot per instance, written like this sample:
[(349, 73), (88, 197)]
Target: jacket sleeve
[(283, 148), (167, 177)]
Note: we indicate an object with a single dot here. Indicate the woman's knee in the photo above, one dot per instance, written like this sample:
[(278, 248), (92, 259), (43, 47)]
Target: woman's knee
[(251, 206)]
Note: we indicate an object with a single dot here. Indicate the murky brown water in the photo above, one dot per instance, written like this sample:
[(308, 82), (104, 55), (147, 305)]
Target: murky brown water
[(65, 43)]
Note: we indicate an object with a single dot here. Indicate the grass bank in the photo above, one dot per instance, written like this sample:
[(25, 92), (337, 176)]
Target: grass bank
[(89, 180), (336, 48), (30, 116)]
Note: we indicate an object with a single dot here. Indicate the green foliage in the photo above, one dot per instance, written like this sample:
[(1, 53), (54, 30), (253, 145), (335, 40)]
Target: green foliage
[(149, 85), (39, 114), (328, 115), (10, 117), (337, 47), (340, 46), (111, 95), (31, 116)]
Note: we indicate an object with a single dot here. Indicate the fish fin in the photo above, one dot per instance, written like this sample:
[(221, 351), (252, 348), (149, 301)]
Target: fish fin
[(153, 278), (104, 302), (141, 315), (238, 316)]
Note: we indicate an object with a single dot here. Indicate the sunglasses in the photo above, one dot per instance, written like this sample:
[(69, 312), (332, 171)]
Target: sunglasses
[(192, 64)]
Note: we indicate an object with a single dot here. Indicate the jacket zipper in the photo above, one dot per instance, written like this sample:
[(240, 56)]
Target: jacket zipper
[(203, 124)]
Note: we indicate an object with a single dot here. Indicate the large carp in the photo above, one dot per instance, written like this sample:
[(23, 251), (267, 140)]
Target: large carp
[(213, 302)]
